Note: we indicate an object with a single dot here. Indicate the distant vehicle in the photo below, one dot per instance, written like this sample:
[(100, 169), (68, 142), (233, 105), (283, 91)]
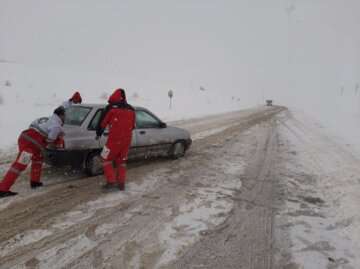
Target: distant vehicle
[(269, 102), (151, 138)]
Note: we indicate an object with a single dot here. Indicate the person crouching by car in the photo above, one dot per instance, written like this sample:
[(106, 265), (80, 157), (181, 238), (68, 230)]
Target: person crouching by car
[(75, 99), (119, 117), (32, 143)]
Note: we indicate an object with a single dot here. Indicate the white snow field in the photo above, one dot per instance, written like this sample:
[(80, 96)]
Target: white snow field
[(260, 187)]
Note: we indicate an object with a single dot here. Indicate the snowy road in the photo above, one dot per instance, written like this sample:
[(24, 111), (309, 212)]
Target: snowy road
[(318, 223), (257, 190)]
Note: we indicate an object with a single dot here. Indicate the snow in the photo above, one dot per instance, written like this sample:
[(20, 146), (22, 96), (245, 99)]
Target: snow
[(340, 116), (322, 211), (151, 50), (64, 254), (209, 209), (37, 92), (205, 52), (193, 218), (204, 134), (38, 72), (21, 240), (89, 209), (212, 65)]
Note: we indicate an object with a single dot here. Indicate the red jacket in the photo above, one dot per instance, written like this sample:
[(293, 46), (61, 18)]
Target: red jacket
[(121, 122), (120, 117)]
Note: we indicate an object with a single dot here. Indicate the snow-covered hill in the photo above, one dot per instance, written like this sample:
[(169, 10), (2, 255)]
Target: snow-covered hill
[(49, 50), (30, 92), (239, 53)]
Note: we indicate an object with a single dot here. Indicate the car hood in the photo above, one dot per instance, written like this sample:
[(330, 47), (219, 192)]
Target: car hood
[(184, 134)]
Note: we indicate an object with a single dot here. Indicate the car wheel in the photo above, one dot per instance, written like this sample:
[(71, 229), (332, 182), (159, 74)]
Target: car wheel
[(94, 164), (178, 150)]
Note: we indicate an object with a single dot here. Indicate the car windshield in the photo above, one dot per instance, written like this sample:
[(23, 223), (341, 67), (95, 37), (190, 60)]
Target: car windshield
[(75, 115)]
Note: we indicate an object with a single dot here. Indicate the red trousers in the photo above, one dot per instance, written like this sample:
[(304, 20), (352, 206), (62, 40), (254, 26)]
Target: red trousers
[(28, 152), (115, 163)]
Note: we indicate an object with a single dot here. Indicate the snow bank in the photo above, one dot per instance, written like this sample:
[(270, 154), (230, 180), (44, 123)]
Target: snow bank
[(339, 115), (35, 92)]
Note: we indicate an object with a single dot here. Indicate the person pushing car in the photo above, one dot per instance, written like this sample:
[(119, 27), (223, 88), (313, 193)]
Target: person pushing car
[(32, 143), (119, 117)]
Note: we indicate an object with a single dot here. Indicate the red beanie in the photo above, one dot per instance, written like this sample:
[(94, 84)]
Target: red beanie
[(116, 97), (76, 98)]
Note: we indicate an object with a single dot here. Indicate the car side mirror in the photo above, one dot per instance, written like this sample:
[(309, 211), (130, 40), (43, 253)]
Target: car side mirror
[(163, 125)]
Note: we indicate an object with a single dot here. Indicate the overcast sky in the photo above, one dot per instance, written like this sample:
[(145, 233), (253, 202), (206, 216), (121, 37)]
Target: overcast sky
[(290, 50)]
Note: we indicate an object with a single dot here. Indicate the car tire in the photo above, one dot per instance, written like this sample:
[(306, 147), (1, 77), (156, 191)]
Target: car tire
[(177, 150), (93, 164)]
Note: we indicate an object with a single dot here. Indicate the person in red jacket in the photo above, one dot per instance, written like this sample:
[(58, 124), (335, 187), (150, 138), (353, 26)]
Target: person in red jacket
[(75, 99), (32, 143), (119, 117)]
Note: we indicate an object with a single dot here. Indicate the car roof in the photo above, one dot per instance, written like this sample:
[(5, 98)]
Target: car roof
[(97, 106)]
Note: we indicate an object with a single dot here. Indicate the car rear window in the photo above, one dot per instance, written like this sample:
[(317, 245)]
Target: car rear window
[(75, 115)]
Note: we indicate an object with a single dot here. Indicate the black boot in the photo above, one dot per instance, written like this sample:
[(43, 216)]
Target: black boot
[(35, 185), (7, 193), (122, 186)]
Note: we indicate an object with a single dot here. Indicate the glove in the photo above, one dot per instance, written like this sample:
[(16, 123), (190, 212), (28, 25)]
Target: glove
[(99, 132)]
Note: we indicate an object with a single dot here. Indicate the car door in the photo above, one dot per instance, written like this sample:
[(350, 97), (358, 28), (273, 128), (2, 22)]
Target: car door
[(152, 138)]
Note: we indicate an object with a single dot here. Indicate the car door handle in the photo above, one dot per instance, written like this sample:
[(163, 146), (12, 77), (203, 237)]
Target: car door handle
[(142, 132)]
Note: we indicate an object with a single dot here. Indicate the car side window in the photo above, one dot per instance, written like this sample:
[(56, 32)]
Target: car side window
[(95, 120), (145, 120), (76, 115)]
